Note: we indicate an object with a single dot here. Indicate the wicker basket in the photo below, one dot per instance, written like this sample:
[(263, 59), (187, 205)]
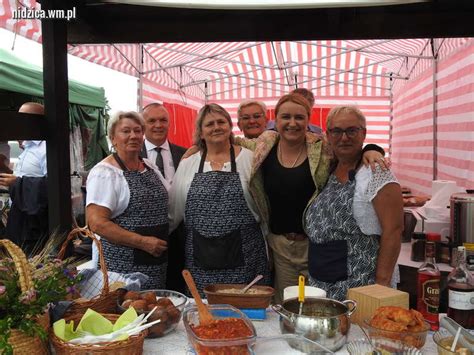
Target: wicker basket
[(21, 342), (106, 301), (132, 346)]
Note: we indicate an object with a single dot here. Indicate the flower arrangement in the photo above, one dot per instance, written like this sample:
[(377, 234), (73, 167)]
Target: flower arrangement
[(53, 280)]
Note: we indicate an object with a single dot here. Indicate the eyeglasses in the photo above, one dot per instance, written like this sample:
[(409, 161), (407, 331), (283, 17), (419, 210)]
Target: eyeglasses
[(255, 116), (350, 132)]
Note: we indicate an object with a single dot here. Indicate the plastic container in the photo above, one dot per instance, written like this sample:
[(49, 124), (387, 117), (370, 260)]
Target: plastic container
[(309, 291), (443, 340), (169, 316), (235, 346), (362, 346), (394, 338), (286, 344)]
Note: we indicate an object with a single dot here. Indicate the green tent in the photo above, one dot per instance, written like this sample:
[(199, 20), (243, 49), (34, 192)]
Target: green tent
[(21, 82)]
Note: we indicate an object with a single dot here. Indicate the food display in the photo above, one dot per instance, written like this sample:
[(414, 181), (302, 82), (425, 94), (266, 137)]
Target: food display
[(169, 305), (252, 291), (228, 328), (230, 331), (256, 297), (446, 344), (407, 326)]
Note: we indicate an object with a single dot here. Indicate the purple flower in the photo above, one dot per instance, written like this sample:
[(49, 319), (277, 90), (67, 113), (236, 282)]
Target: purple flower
[(3, 289)]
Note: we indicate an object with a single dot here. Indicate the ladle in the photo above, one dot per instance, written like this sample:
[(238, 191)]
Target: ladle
[(301, 293), (253, 282), (205, 317)]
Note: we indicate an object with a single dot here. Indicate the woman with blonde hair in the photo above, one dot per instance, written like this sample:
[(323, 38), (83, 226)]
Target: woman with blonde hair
[(224, 242), (127, 204)]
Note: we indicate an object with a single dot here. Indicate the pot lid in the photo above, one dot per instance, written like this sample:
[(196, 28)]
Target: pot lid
[(467, 197)]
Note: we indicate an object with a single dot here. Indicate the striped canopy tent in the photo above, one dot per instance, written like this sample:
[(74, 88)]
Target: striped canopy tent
[(417, 94)]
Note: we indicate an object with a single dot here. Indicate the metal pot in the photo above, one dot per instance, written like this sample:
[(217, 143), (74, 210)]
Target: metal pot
[(462, 218), (322, 320)]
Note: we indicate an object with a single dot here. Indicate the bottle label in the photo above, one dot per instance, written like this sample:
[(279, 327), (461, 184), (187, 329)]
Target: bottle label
[(461, 300), (431, 295)]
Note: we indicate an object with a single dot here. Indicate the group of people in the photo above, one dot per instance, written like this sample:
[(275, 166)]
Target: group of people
[(279, 202)]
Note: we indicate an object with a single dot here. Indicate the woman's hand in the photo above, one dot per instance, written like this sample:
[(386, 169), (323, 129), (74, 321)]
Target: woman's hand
[(372, 157), (154, 246), (7, 179), (191, 150)]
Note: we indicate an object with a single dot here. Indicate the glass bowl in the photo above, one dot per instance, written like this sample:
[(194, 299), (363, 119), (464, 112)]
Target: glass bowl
[(443, 340), (397, 338), (362, 346), (286, 344), (170, 314), (218, 345)]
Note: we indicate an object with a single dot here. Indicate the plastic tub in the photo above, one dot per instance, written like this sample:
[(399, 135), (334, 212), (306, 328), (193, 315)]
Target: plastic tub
[(235, 346)]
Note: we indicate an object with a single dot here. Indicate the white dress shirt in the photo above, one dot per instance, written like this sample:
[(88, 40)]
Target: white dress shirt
[(32, 162), (166, 155)]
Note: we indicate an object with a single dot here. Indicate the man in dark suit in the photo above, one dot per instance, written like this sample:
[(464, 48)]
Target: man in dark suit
[(157, 148), (166, 156)]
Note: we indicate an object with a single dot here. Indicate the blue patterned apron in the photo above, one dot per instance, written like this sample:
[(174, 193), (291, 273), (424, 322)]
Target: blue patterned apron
[(340, 255), (224, 243), (147, 215)]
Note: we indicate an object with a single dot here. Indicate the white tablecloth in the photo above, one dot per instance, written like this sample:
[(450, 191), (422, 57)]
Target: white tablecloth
[(176, 342)]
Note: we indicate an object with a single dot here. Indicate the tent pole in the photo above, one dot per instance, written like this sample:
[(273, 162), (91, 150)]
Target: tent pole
[(390, 133), (56, 98), (140, 78), (435, 110)]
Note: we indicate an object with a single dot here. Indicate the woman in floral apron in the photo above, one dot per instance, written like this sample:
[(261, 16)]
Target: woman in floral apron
[(224, 242), (127, 205)]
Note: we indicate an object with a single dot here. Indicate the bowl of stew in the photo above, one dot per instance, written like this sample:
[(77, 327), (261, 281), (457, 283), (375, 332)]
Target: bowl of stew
[(231, 331), (256, 297)]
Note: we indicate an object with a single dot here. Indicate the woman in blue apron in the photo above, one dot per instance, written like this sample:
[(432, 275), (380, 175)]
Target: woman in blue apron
[(224, 242), (127, 205), (355, 223)]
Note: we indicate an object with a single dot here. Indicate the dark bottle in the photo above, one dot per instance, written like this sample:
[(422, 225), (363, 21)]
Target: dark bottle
[(428, 287), (461, 292), (418, 246)]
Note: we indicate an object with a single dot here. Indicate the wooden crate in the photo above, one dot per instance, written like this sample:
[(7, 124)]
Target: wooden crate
[(371, 297)]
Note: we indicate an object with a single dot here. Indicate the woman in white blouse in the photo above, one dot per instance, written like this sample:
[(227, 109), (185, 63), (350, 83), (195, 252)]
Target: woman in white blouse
[(224, 242), (127, 204), (355, 223)]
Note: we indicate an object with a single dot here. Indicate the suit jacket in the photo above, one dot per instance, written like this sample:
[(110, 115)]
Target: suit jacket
[(176, 153)]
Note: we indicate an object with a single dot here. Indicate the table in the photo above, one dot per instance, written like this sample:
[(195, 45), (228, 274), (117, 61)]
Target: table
[(176, 342)]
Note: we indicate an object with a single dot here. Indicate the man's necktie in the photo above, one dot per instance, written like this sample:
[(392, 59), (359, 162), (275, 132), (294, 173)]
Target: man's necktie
[(159, 161)]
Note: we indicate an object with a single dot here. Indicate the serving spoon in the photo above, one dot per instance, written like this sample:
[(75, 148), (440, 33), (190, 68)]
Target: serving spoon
[(205, 317), (253, 282)]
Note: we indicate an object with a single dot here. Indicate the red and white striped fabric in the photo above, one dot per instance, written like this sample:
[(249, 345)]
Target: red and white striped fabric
[(412, 139), (376, 110)]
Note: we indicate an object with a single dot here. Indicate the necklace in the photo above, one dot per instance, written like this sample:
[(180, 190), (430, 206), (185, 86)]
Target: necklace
[(296, 160)]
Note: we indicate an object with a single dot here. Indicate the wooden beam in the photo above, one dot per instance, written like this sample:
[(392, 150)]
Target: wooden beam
[(22, 126), (57, 114), (119, 23)]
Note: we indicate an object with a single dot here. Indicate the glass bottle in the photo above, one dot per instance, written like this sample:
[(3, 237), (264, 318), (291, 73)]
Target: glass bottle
[(428, 287), (461, 292)]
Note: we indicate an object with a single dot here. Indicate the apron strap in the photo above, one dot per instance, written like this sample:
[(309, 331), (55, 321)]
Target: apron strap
[(119, 162), (203, 159), (122, 164), (232, 160)]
